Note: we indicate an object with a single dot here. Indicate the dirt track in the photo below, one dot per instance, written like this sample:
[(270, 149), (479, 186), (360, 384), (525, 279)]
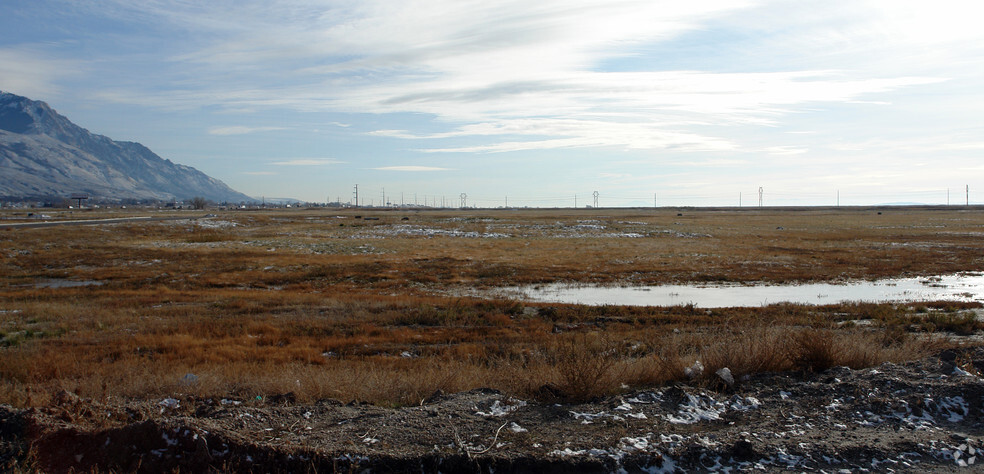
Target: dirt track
[(24, 225), (924, 415)]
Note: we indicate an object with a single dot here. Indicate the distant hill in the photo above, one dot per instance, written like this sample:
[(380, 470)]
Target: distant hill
[(44, 155)]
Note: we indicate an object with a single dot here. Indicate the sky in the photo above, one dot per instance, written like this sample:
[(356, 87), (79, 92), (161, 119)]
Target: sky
[(515, 103)]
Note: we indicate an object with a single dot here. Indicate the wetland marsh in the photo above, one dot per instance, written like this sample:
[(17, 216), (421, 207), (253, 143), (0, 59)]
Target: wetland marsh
[(303, 306)]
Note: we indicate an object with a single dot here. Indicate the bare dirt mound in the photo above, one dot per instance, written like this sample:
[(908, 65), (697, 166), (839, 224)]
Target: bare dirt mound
[(921, 415)]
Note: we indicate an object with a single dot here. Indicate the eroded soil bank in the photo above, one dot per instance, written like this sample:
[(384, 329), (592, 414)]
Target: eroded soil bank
[(922, 415)]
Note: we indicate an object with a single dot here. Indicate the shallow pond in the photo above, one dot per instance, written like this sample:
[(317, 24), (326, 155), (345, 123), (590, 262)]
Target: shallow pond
[(62, 283), (958, 287)]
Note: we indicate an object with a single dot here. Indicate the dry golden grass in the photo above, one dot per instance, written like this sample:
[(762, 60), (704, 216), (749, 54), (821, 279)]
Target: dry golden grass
[(262, 303)]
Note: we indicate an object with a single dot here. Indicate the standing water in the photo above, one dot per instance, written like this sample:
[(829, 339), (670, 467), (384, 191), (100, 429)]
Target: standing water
[(958, 287)]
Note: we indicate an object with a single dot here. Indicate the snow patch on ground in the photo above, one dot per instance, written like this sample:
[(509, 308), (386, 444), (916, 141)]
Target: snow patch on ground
[(419, 231), (497, 408), (215, 224)]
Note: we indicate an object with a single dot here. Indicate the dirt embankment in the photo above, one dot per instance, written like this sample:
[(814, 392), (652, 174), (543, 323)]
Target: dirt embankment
[(923, 415)]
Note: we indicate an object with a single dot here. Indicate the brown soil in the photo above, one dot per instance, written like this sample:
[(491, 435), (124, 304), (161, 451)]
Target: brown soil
[(922, 415)]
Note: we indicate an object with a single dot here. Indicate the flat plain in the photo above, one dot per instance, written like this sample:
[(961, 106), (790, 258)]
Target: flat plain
[(382, 306)]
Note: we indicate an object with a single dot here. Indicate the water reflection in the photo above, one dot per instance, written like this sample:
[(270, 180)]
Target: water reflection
[(958, 287), (62, 283)]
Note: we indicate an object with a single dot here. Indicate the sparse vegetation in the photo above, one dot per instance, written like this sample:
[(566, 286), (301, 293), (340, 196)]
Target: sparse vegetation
[(281, 302)]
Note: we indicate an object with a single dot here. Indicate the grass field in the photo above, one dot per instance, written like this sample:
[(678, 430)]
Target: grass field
[(361, 305)]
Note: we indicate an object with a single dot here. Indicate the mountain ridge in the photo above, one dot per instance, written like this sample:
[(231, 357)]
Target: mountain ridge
[(43, 154)]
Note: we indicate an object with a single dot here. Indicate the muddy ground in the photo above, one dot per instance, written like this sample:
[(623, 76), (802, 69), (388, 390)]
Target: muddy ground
[(926, 415)]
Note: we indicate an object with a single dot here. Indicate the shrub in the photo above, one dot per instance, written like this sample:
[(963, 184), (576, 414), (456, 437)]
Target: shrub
[(812, 350), (584, 365)]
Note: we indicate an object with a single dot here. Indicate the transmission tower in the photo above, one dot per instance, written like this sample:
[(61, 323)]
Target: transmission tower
[(595, 195), (464, 199), (761, 191), (356, 194)]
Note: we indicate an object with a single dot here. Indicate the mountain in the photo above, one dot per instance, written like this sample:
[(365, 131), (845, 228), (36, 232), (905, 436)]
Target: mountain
[(45, 155)]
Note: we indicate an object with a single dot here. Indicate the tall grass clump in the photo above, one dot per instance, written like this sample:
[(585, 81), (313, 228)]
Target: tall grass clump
[(752, 350), (586, 366)]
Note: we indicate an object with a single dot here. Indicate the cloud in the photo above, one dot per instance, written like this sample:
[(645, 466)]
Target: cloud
[(29, 71), (509, 76), (557, 133), (307, 162), (239, 130), (784, 150), (411, 168)]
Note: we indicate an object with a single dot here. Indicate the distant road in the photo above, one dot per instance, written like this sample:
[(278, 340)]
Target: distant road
[(22, 225)]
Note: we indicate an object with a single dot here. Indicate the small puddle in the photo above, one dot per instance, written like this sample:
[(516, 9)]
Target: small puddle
[(60, 283), (958, 287)]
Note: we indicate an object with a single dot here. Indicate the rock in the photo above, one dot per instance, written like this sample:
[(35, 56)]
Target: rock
[(694, 371), (725, 374)]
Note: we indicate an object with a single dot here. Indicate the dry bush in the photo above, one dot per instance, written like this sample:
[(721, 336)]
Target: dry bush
[(963, 323), (752, 350), (585, 364), (813, 350), (672, 353)]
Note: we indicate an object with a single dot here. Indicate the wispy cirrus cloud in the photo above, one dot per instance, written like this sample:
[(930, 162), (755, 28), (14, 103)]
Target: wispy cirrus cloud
[(28, 70), (788, 87), (411, 168), (307, 162), (240, 130), (486, 69)]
